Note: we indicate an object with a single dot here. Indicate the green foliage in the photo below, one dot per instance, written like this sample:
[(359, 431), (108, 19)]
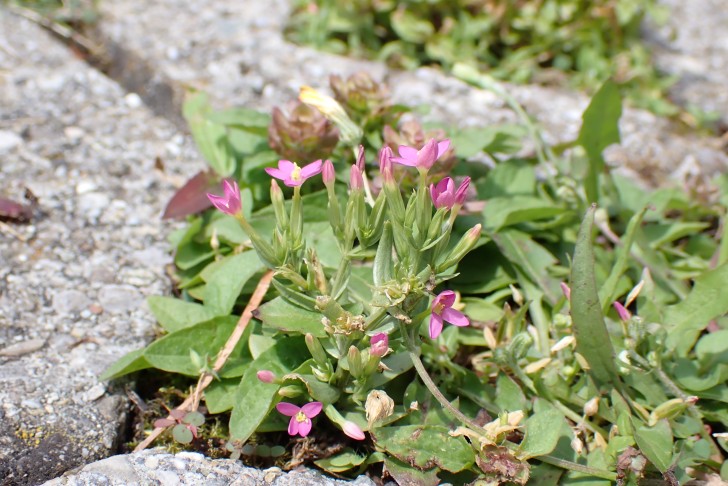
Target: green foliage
[(525, 41), (564, 389)]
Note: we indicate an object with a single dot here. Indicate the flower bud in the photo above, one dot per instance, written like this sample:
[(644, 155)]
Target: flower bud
[(356, 182), (266, 376), (328, 174), (290, 391), (378, 406), (466, 243), (624, 314), (566, 290), (356, 367), (577, 445), (670, 409), (332, 110), (352, 430), (591, 407), (379, 344), (317, 351), (360, 162)]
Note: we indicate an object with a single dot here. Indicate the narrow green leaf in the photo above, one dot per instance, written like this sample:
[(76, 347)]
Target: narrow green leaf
[(656, 443), (129, 363), (253, 398), (599, 129), (226, 282), (707, 300), (281, 315), (592, 337), (511, 210), (174, 314), (383, 260)]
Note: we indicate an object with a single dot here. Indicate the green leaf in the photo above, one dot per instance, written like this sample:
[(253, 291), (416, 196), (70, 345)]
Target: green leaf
[(129, 363), (507, 211), (253, 398), (341, 462), (172, 352), (220, 395), (182, 434), (225, 283), (382, 270), (509, 396), (542, 432), (655, 443), (592, 337), (426, 447), (210, 137), (174, 314), (599, 129), (410, 27), (406, 475), (319, 391), (242, 118), (286, 317), (707, 300), (509, 178)]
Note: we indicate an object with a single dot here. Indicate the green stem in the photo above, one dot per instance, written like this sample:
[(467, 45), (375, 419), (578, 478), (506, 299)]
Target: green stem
[(573, 466), (425, 377)]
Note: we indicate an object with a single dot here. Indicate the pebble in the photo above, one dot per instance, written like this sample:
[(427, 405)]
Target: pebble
[(22, 348), (118, 299), (8, 141), (70, 302)]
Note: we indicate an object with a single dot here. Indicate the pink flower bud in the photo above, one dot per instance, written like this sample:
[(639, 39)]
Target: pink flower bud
[(266, 376), (360, 158), (353, 431), (385, 164), (328, 173), (623, 313), (379, 344), (566, 290), (356, 181)]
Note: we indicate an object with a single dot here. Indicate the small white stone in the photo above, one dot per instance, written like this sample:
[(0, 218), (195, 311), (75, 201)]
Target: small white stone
[(85, 186), (74, 134), (95, 392), (9, 140), (133, 100)]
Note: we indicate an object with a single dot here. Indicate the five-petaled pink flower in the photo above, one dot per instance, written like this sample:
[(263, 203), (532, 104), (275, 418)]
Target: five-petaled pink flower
[(300, 416), (442, 311), (424, 158), (291, 174), (230, 202), (444, 194)]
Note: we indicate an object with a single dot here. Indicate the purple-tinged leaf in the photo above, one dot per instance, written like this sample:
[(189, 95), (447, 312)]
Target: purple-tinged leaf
[(14, 211), (192, 197)]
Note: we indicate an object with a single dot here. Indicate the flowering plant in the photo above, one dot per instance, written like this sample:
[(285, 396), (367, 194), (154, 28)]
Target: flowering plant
[(314, 313)]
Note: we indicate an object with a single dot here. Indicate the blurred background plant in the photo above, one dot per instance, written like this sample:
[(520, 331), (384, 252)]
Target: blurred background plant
[(578, 42)]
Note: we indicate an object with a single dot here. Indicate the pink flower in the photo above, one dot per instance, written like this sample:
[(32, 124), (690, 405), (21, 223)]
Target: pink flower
[(360, 162), (442, 311), (328, 174), (566, 290), (444, 194), (291, 174), (353, 430), (424, 158), (266, 376), (230, 202), (385, 163), (300, 416), (379, 344)]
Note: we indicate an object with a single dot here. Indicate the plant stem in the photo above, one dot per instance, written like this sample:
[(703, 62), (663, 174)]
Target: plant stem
[(425, 377), (573, 466)]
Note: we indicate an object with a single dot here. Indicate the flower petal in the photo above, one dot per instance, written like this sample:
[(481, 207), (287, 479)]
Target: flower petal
[(353, 430), (404, 161), (286, 166), (427, 156), (312, 409), (219, 202), (442, 147), (293, 426), (446, 298), (277, 173), (435, 325), (304, 427), (288, 408), (454, 317), (462, 191), (406, 152), (311, 169)]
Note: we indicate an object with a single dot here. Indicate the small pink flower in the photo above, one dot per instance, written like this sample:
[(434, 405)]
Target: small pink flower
[(622, 311), (444, 194), (379, 344), (328, 174), (230, 202), (291, 174), (300, 416), (442, 311), (266, 376), (356, 181), (424, 158), (353, 431)]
